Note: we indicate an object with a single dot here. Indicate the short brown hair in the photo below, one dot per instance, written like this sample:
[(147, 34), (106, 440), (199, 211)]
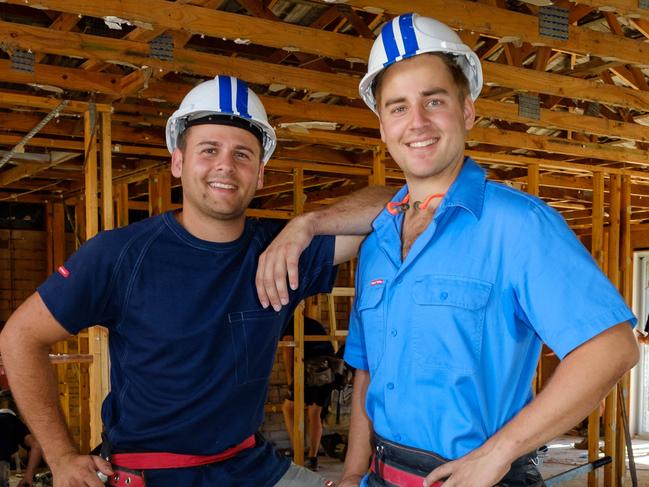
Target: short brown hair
[(459, 78)]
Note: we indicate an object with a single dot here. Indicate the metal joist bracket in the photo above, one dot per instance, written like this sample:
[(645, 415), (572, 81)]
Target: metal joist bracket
[(162, 47), (553, 22), (22, 60), (593, 109), (529, 106)]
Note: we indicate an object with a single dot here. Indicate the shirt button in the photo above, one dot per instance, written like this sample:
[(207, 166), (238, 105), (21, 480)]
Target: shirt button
[(397, 437), (390, 385), (393, 332), (443, 295)]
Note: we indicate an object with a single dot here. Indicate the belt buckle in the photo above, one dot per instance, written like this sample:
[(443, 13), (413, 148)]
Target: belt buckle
[(125, 477)]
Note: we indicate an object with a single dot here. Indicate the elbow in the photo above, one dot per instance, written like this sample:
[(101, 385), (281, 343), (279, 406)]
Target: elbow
[(633, 356), (628, 354)]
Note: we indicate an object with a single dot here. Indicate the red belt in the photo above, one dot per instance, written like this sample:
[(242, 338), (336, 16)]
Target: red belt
[(158, 460), (398, 477)]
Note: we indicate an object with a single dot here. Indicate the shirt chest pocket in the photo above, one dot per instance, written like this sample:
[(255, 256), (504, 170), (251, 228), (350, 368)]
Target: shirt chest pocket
[(254, 336), (449, 315), (371, 309)]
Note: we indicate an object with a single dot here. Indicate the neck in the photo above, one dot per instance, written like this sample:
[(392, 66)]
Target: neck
[(420, 189), (211, 229)]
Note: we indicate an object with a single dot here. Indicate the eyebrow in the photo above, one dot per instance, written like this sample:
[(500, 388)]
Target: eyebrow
[(216, 143), (431, 92)]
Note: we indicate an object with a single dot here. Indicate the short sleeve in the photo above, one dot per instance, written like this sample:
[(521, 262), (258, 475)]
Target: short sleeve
[(316, 268), (78, 294), (561, 291)]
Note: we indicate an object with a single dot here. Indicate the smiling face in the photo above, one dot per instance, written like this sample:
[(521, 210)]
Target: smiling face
[(220, 168), (424, 120)]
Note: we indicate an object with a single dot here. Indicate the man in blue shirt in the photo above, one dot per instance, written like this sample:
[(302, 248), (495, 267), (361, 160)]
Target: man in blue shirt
[(458, 286), (191, 347)]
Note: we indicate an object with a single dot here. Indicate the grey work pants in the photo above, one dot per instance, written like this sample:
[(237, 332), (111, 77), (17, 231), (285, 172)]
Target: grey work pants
[(4, 474), (297, 476)]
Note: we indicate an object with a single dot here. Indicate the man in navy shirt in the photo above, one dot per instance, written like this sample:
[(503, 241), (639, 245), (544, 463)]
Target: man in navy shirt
[(191, 346)]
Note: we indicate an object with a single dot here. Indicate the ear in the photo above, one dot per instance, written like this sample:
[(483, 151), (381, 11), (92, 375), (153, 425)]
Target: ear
[(469, 113), (381, 129), (260, 179), (176, 163)]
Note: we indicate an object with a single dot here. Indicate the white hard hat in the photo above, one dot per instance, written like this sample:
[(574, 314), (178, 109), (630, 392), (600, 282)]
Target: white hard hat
[(223, 100), (410, 34)]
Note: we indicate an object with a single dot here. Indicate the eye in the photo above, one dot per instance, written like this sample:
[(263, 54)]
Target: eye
[(433, 102), (396, 109), (209, 151), (244, 156)]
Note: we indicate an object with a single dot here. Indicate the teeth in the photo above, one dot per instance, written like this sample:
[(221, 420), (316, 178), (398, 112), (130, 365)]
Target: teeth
[(221, 186), (422, 143)]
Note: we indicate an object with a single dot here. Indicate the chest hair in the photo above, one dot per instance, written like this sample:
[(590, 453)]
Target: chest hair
[(414, 224)]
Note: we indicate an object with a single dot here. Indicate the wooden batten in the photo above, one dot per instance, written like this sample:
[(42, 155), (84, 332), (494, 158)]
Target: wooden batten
[(378, 166), (121, 204), (626, 287), (298, 385), (298, 337), (610, 410), (97, 336), (107, 212), (159, 192), (597, 250)]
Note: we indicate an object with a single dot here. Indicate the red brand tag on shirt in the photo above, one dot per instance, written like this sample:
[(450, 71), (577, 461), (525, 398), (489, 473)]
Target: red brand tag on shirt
[(63, 271), (376, 282)]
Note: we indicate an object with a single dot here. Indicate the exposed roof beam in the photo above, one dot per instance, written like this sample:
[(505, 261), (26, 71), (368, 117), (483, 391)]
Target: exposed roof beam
[(74, 44), (215, 23), (82, 45), (465, 15), (498, 22)]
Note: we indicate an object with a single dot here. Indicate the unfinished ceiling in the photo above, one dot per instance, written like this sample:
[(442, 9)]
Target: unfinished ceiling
[(570, 95)]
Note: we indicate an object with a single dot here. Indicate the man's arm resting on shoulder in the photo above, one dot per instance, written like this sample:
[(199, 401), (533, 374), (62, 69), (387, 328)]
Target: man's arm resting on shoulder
[(350, 219), (577, 386), (359, 449), (25, 343)]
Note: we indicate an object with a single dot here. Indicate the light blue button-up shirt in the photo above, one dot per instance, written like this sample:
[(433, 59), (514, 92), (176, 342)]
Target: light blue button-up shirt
[(451, 335)]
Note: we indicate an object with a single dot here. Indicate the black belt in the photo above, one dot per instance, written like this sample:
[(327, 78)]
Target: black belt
[(395, 465)]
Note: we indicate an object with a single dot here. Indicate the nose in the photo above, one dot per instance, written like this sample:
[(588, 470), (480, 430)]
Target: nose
[(224, 162), (418, 117)]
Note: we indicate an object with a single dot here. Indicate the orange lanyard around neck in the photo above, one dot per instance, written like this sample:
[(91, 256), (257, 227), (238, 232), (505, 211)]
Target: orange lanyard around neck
[(396, 207)]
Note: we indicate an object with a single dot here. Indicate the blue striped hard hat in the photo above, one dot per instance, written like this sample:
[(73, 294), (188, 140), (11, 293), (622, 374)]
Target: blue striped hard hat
[(409, 35), (225, 100)]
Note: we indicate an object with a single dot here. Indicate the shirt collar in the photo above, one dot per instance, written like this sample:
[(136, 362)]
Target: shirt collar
[(467, 191)]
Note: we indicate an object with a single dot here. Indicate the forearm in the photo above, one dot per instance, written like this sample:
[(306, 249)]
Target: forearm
[(359, 449), (351, 215), (578, 385), (33, 385)]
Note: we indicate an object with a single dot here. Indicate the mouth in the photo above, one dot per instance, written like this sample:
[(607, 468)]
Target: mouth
[(221, 185), (422, 143)]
